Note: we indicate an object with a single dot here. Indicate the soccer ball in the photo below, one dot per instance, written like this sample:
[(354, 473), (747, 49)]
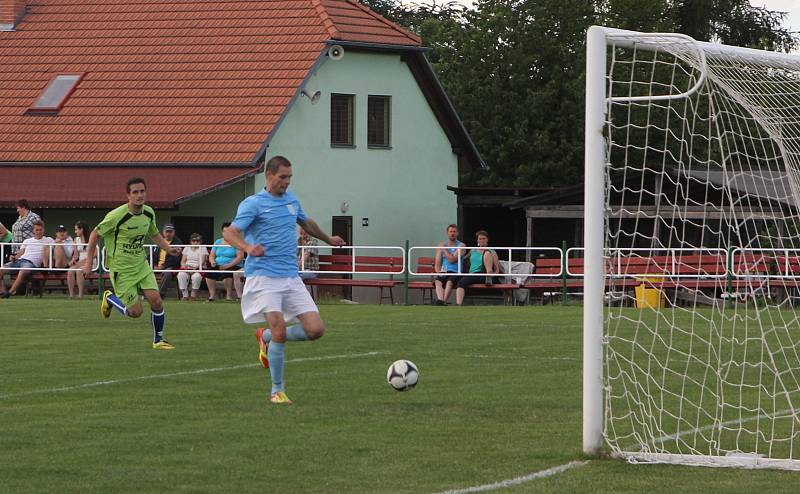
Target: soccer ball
[(402, 375)]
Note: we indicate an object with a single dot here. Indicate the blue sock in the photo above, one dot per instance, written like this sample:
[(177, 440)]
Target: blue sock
[(296, 332), (275, 356), (266, 336), (117, 304), (157, 319)]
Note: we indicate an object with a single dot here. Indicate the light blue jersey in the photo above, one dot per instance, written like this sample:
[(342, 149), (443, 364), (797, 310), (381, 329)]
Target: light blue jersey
[(272, 222)]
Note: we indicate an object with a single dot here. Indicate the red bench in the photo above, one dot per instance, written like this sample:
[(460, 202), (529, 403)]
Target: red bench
[(363, 264), (42, 280), (426, 265), (677, 271)]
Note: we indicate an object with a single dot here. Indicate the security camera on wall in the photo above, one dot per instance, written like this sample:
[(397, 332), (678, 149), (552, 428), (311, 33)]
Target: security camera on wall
[(335, 52)]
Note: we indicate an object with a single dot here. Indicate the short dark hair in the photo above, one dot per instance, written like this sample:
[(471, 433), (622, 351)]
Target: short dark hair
[(134, 180), (451, 225), (38, 223), (481, 232), (276, 162), (196, 236), (22, 203), (225, 225)]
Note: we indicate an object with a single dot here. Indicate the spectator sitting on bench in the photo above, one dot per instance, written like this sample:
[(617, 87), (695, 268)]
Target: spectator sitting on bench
[(225, 258), (75, 276), (193, 260), (307, 258), (64, 248), (447, 260), (167, 261), (481, 260), (33, 253)]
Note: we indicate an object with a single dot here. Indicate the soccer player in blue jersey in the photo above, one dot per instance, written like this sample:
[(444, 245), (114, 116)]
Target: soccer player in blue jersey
[(265, 228)]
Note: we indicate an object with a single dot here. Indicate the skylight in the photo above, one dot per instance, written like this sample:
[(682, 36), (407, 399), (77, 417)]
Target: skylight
[(56, 93)]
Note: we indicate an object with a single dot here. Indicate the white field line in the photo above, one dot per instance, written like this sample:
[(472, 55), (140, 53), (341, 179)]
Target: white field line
[(779, 414), (182, 373), (518, 480)]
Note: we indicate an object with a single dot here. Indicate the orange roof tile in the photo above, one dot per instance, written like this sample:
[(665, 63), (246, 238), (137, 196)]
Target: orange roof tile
[(167, 81)]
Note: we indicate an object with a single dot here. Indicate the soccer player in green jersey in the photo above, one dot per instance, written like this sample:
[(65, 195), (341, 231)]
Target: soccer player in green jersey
[(124, 231)]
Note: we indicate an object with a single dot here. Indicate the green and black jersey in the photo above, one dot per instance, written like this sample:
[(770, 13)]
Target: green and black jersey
[(124, 234)]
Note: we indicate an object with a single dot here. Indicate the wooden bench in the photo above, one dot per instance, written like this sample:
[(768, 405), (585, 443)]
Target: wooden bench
[(554, 280), (52, 281), (363, 264), (627, 272), (673, 272), (427, 265)]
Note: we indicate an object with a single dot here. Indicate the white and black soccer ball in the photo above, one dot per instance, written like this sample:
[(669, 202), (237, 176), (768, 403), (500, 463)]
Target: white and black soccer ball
[(402, 375)]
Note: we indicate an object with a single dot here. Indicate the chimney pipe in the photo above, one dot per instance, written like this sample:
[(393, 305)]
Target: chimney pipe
[(11, 12)]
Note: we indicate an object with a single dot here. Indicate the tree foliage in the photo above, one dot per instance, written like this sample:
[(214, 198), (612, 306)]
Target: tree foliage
[(514, 69)]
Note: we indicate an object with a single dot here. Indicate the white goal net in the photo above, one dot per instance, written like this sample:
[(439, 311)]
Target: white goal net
[(700, 251)]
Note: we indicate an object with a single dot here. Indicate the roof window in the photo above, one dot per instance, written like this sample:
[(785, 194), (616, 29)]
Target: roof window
[(56, 93)]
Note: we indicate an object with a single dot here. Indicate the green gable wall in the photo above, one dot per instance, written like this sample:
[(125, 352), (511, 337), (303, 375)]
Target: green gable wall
[(401, 190)]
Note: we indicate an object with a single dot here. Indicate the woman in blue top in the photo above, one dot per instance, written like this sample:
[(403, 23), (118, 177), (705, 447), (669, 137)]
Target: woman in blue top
[(481, 260), (225, 258)]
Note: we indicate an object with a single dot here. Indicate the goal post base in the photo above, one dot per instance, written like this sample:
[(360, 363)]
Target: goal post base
[(743, 460)]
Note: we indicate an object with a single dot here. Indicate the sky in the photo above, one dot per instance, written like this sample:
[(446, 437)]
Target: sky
[(790, 6)]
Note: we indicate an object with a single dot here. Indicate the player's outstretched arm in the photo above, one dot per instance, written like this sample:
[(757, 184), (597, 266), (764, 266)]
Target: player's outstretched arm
[(159, 240), (312, 228), (234, 237), (91, 247)]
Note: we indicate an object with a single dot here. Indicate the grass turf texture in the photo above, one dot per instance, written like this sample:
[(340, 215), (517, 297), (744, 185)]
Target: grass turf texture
[(499, 397)]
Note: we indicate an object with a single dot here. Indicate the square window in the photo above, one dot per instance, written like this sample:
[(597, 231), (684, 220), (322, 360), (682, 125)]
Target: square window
[(378, 121), (342, 120)]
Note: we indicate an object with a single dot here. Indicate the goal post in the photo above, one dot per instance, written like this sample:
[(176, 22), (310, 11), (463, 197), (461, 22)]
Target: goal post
[(594, 220), (691, 322)]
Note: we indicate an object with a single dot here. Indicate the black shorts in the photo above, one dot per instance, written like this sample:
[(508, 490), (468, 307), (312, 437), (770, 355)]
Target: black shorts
[(224, 275), (466, 281), (453, 278)]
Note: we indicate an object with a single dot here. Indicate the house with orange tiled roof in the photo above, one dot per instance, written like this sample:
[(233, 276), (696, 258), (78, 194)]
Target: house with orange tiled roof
[(196, 96)]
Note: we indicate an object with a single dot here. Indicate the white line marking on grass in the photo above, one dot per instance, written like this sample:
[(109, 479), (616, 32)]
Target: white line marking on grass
[(779, 414), (183, 373), (522, 357), (518, 480)]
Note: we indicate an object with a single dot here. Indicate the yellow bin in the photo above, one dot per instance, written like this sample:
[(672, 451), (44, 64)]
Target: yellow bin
[(648, 297)]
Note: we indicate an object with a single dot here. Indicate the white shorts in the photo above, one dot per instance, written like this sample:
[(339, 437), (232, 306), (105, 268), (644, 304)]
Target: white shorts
[(266, 294)]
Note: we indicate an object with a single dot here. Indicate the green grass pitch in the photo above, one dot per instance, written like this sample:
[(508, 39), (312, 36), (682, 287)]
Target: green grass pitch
[(87, 406)]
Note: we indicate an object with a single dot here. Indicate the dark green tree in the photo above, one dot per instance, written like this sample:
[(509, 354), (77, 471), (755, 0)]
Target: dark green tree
[(514, 69)]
